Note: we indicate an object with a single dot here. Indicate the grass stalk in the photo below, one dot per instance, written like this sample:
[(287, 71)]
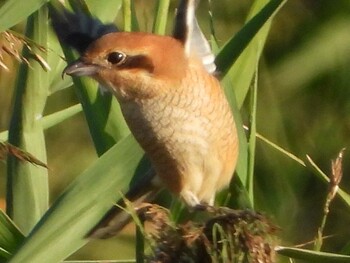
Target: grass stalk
[(252, 138), (335, 178), (160, 20)]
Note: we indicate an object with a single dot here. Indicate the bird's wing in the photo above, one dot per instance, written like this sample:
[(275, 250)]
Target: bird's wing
[(189, 33)]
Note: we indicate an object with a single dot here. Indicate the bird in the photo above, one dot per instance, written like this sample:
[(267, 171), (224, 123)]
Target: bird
[(169, 95)]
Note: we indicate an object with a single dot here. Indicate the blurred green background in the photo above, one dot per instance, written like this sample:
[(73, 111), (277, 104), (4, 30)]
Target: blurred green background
[(303, 106)]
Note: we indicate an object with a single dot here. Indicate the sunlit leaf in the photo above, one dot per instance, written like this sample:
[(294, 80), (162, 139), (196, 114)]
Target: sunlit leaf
[(14, 11), (312, 256), (10, 236), (83, 204), (27, 192)]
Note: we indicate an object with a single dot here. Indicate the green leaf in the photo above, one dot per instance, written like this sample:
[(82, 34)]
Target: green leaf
[(60, 116), (102, 111), (4, 255), (160, 20), (83, 204), (253, 33), (252, 137), (52, 119), (312, 256), (130, 19), (238, 74), (103, 115), (57, 64), (10, 236), (13, 11), (107, 11), (27, 185)]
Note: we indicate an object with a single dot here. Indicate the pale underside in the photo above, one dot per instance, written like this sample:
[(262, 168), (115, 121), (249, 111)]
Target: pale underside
[(189, 135)]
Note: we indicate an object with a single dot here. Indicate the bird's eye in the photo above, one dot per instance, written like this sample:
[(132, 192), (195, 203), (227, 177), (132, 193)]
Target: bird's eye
[(116, 58)]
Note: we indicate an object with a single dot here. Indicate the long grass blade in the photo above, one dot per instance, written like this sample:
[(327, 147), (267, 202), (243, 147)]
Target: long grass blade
[(236, 77), (240, 58), (320, 174), (312, 256), (309, 164), (252, 138), (83, 204), (10, 236), (60, 116), (27, 185), (52, 119), (103, 115)]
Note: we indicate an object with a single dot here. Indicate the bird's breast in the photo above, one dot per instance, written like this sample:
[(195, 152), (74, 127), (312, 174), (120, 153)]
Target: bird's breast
[(183, 130)]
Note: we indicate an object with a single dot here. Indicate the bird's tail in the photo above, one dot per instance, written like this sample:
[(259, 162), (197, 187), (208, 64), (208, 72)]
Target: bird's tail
[(144, 190), (117, 217), (79, 29)]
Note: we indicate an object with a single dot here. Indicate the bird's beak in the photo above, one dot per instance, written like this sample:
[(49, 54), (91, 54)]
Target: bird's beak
[(79, 68)]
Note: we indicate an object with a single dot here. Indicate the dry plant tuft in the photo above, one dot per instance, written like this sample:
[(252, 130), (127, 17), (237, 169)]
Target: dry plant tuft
[(9, 149), (337, 174), (334, 181), (11, 44), (224, 236)]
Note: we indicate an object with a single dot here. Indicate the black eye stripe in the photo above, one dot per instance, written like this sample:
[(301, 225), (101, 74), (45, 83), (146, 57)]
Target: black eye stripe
[(123, 61), (137, 62), (116, 58)]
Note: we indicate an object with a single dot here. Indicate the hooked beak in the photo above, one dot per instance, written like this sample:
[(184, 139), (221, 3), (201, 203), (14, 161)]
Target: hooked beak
[(79, 68)]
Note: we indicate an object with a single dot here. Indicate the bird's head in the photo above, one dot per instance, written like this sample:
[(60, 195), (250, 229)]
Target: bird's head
[(133, 65)]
